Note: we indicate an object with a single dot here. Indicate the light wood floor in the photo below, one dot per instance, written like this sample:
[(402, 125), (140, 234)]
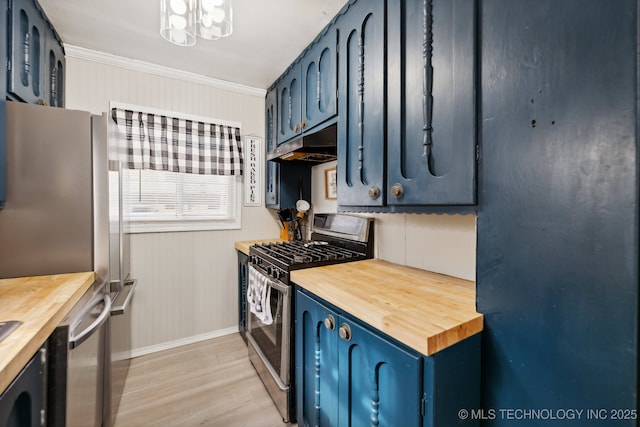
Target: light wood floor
[(211, 383)]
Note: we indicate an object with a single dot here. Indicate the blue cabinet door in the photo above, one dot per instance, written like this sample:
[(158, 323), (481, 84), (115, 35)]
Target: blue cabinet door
[(272, 196), (347, 375), (271, 120), (432, 105), (23, 402), (289, 104), (380, 383), (36, 56), (362, 100), (272, 170), (316, 363), (320, 80), (26, 52), (243, 281), (54, 71)]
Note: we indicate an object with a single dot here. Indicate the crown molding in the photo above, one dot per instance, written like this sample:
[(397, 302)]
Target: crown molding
[(159, 70)]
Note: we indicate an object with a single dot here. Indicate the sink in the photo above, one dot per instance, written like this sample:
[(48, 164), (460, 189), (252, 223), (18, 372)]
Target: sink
[(8, 326)]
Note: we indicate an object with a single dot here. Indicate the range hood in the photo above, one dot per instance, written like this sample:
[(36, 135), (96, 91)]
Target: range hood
[(312, 149)]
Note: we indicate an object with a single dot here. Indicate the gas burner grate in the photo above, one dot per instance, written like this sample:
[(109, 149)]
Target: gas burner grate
[(307, 252)]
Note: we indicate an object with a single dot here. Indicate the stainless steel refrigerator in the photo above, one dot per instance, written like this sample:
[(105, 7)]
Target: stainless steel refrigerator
[(56, 220)]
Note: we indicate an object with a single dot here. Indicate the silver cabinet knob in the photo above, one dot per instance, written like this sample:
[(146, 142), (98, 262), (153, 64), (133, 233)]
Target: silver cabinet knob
[(345, 332), (330, 323), (397, 191), (374, 193)]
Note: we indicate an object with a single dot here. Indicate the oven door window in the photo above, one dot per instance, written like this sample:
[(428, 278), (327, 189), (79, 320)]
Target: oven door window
[(269, 337)]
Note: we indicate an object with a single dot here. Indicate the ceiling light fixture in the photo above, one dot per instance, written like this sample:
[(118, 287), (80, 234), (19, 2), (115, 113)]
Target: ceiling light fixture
[(182, 20)]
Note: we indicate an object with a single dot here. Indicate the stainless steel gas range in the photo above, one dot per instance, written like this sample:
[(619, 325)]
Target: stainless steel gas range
[(335, 238)]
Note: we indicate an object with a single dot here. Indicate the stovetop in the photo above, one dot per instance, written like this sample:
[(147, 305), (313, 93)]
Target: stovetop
[(305, 254), (336, 238)]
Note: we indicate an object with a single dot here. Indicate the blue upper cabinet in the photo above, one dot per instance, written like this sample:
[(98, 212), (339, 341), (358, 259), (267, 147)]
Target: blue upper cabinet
[(320, 80), (308, 89), (271, 120), (347, 375), (26, 52), (271, 135), (55, 70), (289, 90), (431, 102), (361, 104), (35, 58)]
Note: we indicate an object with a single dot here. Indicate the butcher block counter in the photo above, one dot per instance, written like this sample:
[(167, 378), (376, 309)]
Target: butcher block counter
[(423, 310), (244, 246), (41, 303)]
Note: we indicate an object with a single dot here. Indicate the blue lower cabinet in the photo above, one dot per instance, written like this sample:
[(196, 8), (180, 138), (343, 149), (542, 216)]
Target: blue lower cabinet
[(243, 281), (379, 382), (451, 386), (347, 375), (23, 403), (316, 363)]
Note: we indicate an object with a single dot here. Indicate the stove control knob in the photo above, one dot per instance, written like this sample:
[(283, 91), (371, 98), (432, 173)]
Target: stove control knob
[(276, 274)]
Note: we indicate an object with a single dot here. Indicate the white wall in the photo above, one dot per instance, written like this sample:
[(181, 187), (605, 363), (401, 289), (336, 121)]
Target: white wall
[(187, 281), (442, 243)]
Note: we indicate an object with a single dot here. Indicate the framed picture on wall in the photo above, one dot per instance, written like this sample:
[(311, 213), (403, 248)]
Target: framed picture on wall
[(330, 184)]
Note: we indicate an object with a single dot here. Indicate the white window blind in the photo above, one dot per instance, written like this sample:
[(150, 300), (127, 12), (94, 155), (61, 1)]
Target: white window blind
[(172, 201)]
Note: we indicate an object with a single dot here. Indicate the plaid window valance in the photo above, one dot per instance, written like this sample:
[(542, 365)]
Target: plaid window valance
[(154, 141)]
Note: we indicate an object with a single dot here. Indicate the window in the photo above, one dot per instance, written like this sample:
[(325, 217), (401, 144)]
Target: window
[(172, 201), (185, 200)]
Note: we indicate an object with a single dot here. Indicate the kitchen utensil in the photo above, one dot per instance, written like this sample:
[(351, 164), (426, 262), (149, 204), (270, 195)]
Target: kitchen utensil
[(302, 206)]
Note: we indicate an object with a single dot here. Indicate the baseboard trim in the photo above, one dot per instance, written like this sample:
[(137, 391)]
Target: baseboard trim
[(183, 341)]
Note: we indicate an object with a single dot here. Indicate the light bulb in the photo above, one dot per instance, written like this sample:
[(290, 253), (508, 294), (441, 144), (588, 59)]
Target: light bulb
[(218, 15), (208, 5), (179, 37), (179, 6), (177, 22), (206, 20)]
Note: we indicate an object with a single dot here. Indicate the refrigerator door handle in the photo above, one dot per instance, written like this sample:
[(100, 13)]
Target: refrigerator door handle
[(128, 287), (76, 339)]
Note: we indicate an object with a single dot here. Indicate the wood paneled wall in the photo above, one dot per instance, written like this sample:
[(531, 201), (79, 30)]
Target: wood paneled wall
[(187, 281)]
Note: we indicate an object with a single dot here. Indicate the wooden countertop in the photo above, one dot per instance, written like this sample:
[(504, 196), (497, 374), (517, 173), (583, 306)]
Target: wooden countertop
[(41, 303), (425, 311), (244, 246)]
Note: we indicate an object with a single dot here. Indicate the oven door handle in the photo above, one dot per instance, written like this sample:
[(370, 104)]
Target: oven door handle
[(280, 287), (281, 385), (274, 283)]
